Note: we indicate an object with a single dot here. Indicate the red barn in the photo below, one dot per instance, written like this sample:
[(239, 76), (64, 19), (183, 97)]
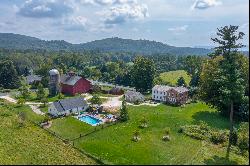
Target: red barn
[(72, 84)]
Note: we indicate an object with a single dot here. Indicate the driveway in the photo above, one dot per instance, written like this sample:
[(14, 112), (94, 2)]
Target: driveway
[(33, 105)]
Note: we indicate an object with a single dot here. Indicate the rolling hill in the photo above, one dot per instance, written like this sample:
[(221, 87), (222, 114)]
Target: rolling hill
[(22, 42)]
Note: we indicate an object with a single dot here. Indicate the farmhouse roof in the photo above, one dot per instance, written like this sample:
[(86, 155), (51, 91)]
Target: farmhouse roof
[(162, 87), (179, 89), (67, 104)]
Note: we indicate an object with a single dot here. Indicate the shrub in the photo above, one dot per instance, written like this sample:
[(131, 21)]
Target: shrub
[(143, 123), (218, 137), (200, 132), (234, 137), (136, 136), (243, 137), (166, 136)]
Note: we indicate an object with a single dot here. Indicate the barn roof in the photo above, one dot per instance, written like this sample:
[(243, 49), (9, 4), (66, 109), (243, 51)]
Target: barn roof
[(32, 78), (69, 80), (67, 104)]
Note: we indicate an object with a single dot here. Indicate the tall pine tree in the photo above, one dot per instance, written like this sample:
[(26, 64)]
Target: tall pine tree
[(227, 85)]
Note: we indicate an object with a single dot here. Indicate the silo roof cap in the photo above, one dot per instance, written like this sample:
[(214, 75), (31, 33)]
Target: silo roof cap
[(53, 72)]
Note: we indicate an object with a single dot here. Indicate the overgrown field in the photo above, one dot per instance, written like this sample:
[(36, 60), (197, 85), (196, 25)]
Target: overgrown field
[(29, 144)]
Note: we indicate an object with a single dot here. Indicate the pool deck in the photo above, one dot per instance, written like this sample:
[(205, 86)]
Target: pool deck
[(98, 117)]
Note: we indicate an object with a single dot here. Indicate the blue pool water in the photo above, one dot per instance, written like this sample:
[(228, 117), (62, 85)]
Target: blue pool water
[(90, 120)]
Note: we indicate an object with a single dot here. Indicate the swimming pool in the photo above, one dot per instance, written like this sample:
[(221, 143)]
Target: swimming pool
[(90, 120)]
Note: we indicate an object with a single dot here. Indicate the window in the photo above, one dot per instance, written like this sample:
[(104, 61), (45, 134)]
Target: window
[(160, 97), (164, 93), (154, 96)]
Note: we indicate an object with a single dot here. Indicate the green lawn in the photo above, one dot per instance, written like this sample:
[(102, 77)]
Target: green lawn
[(114, 145), (173, 76), (70, 127), (32, 145)]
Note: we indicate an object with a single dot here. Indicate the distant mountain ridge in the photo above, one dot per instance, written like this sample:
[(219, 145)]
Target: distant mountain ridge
[(22, 42)]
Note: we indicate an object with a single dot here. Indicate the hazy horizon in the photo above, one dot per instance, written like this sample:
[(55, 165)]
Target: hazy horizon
[(177, 23)]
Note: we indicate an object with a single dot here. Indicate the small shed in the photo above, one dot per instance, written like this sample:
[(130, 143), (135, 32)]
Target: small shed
[(133, 96), (116, 91)]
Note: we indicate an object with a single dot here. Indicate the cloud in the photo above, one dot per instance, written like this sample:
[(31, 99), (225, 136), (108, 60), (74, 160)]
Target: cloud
[(78, 23), (45, 8), (123, 13), (107, 2), (204, 4), (178, 29)]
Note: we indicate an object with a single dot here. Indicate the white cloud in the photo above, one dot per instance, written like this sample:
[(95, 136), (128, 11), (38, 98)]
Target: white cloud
[(123, 13), (204, 4), (46, 8), (178, 29), (107, 2), (77, 23)]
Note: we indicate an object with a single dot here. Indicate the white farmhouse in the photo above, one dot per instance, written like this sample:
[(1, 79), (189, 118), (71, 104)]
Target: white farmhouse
[(68, 106), (159, 92)]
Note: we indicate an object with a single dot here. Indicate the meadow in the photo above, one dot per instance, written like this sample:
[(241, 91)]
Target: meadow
[(172, 77), (114, 145)]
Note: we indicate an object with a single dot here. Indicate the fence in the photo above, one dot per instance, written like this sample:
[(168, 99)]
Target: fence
[(72, 144)]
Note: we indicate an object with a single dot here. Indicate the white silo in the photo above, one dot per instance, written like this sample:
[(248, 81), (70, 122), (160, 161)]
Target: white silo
[(54, 82)]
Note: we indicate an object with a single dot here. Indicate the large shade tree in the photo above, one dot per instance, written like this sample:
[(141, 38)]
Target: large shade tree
[(222, 83), (8, 75), (142, 74)]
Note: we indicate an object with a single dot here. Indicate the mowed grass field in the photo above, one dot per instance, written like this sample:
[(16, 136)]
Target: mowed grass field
[(114, 145), (173, 76), (30, 144)]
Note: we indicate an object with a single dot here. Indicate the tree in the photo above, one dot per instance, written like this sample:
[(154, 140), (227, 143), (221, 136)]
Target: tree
[(142, 74), (60, 96), (193, 66), (144, 123), (24, 91), (21, 101), (96, 99), (226, 87), (44, 101), (181, 82), (40, 91), (8, 75), (124, 112)]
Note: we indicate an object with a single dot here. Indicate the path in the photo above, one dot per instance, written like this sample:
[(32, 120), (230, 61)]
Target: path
[(147, 104), (33, 105), (113, 102)]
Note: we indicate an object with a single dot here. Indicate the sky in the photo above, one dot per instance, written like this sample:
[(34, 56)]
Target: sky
[(174, 22)]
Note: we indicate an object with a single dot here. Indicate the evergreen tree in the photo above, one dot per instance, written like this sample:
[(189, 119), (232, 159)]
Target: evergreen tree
[(40, 91), (181, 82), (8, 75), (227, 86), (124, 112)]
